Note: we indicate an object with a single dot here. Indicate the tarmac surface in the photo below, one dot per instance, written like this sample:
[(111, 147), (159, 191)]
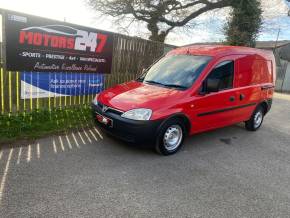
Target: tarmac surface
[(228, 172)]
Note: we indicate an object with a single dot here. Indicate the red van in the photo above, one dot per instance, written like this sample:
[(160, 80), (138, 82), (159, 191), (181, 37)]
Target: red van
[(190, 90)]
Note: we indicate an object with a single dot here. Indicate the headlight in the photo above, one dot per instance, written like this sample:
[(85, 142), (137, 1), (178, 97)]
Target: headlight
[(95, 101), (138, 114)]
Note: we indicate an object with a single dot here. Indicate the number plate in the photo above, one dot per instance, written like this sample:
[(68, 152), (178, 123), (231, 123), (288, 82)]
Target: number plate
[(104, 120)]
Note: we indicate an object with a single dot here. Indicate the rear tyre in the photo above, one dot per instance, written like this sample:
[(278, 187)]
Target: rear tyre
[(256, 120), (170, 137)]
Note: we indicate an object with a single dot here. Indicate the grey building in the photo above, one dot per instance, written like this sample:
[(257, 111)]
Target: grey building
[(281, 50)]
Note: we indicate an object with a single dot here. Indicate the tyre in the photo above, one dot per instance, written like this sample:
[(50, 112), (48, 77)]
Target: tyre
[(170, 137), (256, 120)]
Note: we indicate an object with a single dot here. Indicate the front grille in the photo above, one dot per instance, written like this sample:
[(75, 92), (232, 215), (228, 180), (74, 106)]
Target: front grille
[(110, 110)]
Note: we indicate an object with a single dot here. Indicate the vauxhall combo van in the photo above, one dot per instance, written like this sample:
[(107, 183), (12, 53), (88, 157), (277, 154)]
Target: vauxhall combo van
[(190, 90)]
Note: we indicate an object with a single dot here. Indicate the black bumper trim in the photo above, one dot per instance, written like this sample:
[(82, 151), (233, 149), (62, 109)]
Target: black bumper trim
[(134, 131), (269, 102)]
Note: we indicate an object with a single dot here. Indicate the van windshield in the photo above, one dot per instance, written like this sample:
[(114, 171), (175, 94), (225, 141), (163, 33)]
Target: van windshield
[(176, 71)]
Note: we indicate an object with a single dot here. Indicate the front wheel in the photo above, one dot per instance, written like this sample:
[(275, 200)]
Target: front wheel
[(256, 120), (170, 137)]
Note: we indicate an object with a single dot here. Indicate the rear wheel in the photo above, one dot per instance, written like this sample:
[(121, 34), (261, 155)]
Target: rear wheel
[(170, 137), (256, 120)]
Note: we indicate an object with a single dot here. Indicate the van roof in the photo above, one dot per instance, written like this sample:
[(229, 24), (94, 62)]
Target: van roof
[(221, 50)]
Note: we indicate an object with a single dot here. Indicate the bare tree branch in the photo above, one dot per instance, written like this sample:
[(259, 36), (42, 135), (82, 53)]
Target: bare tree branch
[(161, 16)]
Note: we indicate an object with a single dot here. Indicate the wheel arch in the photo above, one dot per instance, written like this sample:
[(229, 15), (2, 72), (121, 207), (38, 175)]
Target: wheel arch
[(266, 105), (180, 116)]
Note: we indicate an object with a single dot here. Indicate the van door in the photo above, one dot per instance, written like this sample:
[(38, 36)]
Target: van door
[(217, 109), (251, 74)]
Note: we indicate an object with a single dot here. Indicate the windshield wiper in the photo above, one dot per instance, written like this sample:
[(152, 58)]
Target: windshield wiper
[(175, 86), (153, 82), (166, 85)]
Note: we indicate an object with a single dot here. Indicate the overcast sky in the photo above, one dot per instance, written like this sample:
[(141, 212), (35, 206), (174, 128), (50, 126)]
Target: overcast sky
[(209, 27)]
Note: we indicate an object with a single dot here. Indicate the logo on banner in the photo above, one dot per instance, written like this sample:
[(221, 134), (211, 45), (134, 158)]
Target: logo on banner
[(63, 37)]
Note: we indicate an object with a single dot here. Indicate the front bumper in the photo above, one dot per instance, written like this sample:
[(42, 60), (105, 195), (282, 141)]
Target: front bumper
[(134, 131)]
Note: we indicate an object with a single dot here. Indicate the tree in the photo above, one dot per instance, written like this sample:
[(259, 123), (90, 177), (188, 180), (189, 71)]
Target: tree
[(160, 16), (244, 24)]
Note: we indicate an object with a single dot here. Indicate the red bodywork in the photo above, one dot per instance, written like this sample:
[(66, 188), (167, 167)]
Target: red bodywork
[(254, 76)]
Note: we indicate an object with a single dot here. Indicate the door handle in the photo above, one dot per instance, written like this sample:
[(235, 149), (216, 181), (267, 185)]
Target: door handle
[(232, 98), (242, 96)]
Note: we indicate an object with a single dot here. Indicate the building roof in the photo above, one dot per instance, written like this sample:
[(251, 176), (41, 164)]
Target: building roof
[(259, 44), (271, 44)]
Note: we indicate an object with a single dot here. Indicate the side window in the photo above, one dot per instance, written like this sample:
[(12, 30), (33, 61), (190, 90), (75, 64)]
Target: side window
[(224, 71)]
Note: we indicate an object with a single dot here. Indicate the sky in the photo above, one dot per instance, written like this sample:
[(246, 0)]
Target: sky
[(206, 28)]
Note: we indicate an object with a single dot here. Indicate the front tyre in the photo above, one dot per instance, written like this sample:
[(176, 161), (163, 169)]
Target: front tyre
[(170, 137), (256, 120)]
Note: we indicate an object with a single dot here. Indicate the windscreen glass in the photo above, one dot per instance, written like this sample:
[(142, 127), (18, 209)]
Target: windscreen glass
[(177, 71)]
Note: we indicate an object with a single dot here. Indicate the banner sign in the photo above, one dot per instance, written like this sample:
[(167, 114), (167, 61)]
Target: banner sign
[(54, 84), (38, 44)]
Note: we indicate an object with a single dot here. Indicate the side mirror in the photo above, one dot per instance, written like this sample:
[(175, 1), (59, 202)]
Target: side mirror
[(212, 85)]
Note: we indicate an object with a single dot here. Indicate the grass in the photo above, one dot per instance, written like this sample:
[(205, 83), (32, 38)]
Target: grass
[(40, 123)]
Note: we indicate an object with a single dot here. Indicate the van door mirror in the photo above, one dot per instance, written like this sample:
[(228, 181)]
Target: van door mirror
[(212, 85)]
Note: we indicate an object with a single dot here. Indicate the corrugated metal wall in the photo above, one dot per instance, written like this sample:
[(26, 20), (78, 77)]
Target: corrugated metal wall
[(282, 55), (286, 81)]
